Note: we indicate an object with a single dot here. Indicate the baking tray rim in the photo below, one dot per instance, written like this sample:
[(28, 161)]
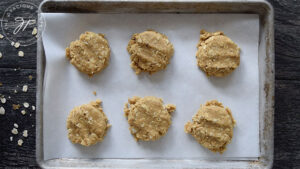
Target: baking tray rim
[(266, 96)]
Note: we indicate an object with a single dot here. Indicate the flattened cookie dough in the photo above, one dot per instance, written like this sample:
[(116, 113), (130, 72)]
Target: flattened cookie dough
[(87, 124), (90, 54), (217, 55), (149, 51), (212, 126), (148, 118)]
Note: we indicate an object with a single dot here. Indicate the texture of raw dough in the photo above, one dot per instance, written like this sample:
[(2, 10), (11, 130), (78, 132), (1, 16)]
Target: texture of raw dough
[(148, 118), (217, 55), (90, 54), (87, 124), (149, 51), (212, 126)]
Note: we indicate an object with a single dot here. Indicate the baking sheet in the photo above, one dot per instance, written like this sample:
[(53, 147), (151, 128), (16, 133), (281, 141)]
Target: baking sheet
[(182, 83)]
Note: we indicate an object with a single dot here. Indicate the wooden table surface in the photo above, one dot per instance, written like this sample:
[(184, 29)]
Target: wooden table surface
[(15, 72)]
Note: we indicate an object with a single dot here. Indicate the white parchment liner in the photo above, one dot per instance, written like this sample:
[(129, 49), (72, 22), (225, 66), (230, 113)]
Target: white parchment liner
[(182, 84)]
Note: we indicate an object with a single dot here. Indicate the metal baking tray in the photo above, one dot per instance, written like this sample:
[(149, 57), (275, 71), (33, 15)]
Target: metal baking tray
[(266, 77)]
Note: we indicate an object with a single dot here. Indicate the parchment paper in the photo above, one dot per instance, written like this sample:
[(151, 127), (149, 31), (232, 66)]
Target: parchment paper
[(182, 83)]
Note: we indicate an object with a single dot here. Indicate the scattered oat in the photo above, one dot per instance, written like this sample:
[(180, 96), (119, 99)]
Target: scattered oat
[(26, 105), (14, 131), (30, 115), (16, 125), (20, 142), (15, 69), (0, 55), (3, 100), (25, 88), (11, 138), (34, 31), (2, 111), (12, 43), (16, 106), (21, 53), (95, 93), (30, 77), (25, 133), (33, 107), (23, 112), (9, 97), (1, 84), (15, 91), (1, 36), (17, 45)]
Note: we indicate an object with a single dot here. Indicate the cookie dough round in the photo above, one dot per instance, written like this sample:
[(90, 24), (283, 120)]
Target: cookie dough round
[(148, 118), (217, 55), (149, 51), (87, 124), (212, 126), (90, 54)]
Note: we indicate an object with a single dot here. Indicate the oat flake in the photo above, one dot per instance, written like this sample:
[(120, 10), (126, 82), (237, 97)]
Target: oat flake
[(20, 142), (34, 31), (23, 112), (17, 45), (25, 133), (14, 131), (2, 111), (25, 88), (21, 53), (26, 105), (3, 100)]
